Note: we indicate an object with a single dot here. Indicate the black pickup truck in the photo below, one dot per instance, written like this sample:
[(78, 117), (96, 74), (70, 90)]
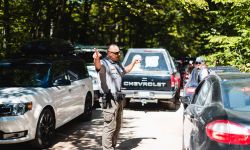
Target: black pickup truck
[(154, 80)]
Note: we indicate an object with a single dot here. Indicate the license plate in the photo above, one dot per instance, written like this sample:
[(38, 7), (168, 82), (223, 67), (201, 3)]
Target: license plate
[(143, 94)]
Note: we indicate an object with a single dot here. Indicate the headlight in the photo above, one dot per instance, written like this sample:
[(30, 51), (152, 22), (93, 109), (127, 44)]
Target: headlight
[(14, 109)]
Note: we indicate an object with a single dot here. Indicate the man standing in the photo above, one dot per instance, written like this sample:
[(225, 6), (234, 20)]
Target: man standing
[(110, 73), (202, 67)]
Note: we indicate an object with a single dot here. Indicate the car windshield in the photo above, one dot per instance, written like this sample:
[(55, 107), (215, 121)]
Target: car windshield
[(193, 79), (25, 75), (223, 69), (149, 62), (236, 95)]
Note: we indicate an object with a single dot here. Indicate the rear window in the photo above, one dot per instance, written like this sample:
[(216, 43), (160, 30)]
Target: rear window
[(150, 61), (237, 95)]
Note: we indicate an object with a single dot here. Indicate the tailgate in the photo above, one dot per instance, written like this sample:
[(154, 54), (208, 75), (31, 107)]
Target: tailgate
[(146, 82)]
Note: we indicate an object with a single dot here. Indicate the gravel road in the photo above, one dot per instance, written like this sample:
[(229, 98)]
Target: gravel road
[(144, 128)]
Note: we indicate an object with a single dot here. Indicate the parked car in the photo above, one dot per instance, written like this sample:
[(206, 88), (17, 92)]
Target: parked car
[(86, 53), (190, 86), (185, 66), (154, 80), (40, 94), (218, 116), (192, 82)]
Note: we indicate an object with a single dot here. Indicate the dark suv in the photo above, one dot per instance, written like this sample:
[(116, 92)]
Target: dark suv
[(154, 80)]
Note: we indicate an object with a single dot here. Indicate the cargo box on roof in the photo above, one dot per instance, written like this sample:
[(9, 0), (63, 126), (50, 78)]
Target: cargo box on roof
[(52, 46)]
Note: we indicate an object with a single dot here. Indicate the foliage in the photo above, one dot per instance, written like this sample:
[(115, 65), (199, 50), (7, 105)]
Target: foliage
[(217, 29)]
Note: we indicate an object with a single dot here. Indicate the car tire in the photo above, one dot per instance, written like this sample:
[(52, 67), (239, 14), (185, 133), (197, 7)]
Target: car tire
[(87, 115), (126, 102), (45, 130), (172, 104)]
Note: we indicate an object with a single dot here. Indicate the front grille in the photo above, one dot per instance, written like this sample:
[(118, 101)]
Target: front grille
[(5, 110)]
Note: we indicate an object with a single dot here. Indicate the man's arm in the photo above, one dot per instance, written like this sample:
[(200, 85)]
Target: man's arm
[(129, 67), (97, 61)]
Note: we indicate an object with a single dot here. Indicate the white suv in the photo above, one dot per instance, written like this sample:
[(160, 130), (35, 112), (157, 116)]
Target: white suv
[(86, 53), (39, 95)]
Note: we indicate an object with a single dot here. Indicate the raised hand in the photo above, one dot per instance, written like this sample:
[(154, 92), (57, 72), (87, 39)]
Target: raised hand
[(96, 54)]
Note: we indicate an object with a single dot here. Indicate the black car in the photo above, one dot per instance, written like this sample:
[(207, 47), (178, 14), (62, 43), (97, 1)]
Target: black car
[(218, 116), (223, 69), (192, 83), (190, 86)]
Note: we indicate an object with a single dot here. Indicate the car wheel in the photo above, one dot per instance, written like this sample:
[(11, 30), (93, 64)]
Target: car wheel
[(171, 106), (45, 129), (87, 115), (126, 102)]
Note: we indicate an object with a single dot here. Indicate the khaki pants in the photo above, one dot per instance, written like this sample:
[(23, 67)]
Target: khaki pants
[(112, 124)]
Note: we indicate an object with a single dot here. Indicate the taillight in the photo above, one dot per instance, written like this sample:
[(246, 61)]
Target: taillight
[(190, 90), (172, 80), (225, 131), (175, 81)]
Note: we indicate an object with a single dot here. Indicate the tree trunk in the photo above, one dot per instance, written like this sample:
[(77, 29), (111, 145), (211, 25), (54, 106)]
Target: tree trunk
[(6, 21)]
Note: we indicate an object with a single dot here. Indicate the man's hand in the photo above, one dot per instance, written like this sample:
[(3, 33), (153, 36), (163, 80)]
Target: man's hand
[(137, 61), (96, 54), (96, 57), (129, 67)]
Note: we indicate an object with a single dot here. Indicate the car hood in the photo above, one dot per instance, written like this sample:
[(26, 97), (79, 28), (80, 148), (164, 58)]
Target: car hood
[(15, 95)]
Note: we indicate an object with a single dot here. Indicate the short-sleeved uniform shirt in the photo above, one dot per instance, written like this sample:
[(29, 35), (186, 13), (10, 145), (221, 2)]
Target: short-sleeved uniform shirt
[(110, 75)]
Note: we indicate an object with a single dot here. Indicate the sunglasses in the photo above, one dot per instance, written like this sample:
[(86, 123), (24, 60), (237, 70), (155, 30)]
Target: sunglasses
[(197, 62), (116, 53)]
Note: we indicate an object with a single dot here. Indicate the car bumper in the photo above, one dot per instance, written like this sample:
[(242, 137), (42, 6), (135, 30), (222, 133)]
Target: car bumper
[(150, 95), (17, 129)]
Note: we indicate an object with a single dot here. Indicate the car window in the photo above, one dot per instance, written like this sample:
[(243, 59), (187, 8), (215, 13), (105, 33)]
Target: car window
[(78, 68), (171, 63), (237, 95), (59, 71), (24, 75), (72, 76), (149, 62), (193, 78)]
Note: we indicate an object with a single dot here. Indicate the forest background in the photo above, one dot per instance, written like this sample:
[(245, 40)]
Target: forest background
[(215, 29)]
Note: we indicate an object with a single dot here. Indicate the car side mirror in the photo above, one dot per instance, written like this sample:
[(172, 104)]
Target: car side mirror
[(186, 100), (61, 82)]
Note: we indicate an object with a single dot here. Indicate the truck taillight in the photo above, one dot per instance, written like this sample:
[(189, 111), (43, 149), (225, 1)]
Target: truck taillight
[(225, 131), (172, 80), (175, 81)]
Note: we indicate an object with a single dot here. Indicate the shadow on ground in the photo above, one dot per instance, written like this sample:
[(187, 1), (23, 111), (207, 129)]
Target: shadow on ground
[(151, 107), (132, 143), (88, 135)]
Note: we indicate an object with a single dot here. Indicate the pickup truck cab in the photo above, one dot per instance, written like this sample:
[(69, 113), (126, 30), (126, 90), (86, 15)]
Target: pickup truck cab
[(154, 80)]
